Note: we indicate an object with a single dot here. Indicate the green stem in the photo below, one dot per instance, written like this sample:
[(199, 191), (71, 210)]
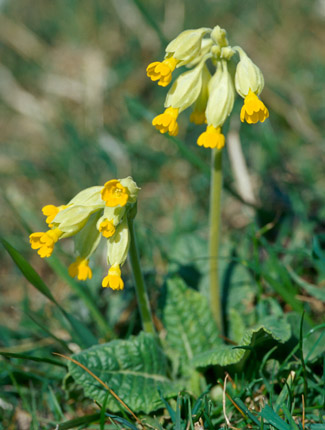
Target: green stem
[(140, 287), (214, 234)]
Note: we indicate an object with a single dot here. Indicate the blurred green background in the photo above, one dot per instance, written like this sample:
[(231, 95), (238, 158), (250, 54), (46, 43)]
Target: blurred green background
[(76, 109), (76, 105)]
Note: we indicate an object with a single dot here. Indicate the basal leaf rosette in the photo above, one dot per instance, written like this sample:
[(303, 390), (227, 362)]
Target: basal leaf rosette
[(135, 369)]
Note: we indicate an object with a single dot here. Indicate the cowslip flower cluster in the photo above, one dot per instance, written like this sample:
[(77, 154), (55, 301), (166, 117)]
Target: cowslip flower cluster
[(94, 212), (211, 95)]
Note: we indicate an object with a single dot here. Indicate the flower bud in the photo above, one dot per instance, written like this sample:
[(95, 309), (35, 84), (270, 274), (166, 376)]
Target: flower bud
[(186, 89), (72, 219), (206, 45), (88, 197), (221, 96), (118, 245), (219, 36), (248, 76), (113, 214), (186, 46), (132, 188), (88, 238), (227, 53), (198, 114)]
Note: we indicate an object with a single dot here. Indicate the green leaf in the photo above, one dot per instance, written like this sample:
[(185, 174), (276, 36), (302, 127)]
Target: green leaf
[(134, 369), (188, 320), (236, 325), (224, 355)]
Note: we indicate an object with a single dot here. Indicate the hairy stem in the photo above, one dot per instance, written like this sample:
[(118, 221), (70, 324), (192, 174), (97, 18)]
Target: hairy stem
[(214, 234), (140, 287)]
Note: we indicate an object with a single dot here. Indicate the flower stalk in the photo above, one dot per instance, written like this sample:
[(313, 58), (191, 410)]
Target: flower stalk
[(140, 287), (214, 234)]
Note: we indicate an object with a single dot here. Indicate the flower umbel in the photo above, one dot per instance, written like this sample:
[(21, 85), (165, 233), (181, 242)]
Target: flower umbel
[(95, 212), (212, 97), (253, 109), (167, 121)]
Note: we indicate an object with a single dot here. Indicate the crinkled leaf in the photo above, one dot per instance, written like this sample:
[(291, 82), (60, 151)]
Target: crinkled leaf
[(236, 326), (224, 355), (188, 320), (134, 369)]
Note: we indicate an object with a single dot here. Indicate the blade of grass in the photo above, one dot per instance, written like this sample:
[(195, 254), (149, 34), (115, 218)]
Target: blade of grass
[(170, 410), (122, 421), (76, 422), (241, 405), (268, 414), (41, 325), (189, 413), (33, 405), (285, 392), (28, 357), (178, 413), (301, 340), (86, 338), (56, 410), (288, 416), (102, 412)]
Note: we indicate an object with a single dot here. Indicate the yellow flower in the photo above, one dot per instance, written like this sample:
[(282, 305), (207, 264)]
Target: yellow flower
[(167, 121), (212, 138), (198, 117), (113, 278), (162, 71), (114, 194), (50, 211), (80, 269), (45, 241), (106, 228), (253, 109)]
